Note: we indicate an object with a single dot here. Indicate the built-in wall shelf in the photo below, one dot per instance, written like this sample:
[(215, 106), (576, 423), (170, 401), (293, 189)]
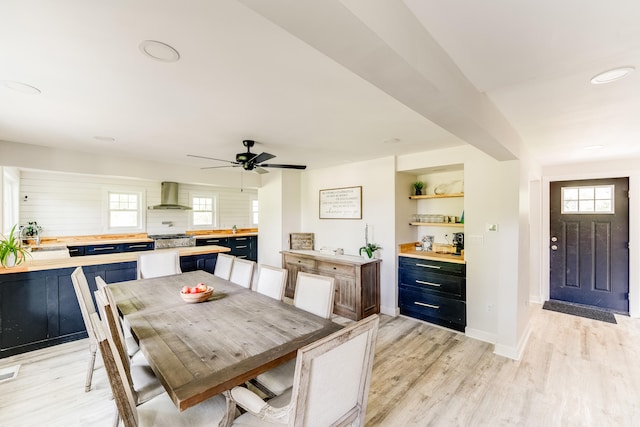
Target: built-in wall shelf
[(439, 224), (437, 196)]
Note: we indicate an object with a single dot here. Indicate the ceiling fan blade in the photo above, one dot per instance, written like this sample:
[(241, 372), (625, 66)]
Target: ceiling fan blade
[(218, 167), (211, 158), (259, 170), (262, 157), (271, 165)]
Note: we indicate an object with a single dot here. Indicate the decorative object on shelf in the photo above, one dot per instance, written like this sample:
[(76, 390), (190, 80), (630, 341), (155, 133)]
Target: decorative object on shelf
[(417, 187), (11, 250), (341, 203), (234, 229), (462, 218), (369, 248), (31, 232), (427, 243), (456, 186)]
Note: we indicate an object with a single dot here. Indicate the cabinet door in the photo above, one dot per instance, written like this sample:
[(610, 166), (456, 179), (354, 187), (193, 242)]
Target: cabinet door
[(346, 297)]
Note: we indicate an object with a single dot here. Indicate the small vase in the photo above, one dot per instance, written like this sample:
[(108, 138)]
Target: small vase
[(418, 192), (10, 260)]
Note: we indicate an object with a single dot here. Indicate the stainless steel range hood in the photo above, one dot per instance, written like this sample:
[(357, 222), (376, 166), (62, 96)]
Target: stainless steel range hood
[(169, 197)]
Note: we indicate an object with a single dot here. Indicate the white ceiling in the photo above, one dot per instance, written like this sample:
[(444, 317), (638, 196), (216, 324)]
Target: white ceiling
[(322, 82)]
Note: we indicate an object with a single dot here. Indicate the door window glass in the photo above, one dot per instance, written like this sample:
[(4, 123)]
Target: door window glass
[(588, 200)]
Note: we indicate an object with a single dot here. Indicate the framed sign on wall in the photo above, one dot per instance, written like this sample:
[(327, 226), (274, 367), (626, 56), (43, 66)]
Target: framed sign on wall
[(341, 203)]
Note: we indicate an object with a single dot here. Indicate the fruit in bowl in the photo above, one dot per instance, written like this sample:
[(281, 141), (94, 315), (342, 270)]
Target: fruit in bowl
[(198, 293)]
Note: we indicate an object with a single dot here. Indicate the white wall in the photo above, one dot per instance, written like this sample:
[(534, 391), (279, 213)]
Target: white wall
[(377, 178), (67, 204), (603, 169)]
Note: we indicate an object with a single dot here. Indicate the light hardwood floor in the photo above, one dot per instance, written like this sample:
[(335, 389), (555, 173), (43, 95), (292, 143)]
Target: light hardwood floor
[(574, 372)]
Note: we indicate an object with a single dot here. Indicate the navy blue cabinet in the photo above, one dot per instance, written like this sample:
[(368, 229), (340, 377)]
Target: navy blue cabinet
[(39, 309), (241, 246), (433, 291), (206, 262), (110, 248)]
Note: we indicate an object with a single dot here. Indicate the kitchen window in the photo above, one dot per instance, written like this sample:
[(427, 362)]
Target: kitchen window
[(204, 211), (588, 200), (123, 210)]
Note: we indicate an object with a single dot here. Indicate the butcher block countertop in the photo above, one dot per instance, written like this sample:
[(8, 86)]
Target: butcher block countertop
[(54, 263), (212, 234), (408, 250)]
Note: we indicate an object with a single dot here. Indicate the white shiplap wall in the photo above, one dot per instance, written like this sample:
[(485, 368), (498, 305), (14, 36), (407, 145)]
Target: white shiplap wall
[(73, 205)]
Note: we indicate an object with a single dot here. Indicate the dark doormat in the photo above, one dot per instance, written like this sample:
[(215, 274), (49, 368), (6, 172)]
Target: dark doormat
[(580, 310)]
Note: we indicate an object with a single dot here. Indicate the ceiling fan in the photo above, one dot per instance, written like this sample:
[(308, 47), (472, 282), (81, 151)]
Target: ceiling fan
[(250, 161)]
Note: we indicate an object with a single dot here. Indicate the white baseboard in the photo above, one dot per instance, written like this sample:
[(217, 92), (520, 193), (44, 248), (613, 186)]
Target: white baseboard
[(514, 353), (535, 299), (390, 311), (480, 335)]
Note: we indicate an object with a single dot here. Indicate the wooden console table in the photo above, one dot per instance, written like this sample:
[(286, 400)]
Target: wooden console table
[(357, 280)]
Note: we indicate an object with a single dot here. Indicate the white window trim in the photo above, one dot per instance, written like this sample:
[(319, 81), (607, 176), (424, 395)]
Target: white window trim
[(613, 200), (142, 211), (251, 200), (216, 213)]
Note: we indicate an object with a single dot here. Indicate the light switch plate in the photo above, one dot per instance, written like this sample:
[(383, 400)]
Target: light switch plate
[(492, 227)]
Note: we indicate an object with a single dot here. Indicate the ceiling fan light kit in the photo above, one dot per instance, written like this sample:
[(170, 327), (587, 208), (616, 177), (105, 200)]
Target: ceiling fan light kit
[(250, 161)]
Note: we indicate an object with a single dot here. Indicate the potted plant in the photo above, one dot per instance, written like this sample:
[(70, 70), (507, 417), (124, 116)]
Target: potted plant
[(31, 232), (370, 248), (418, 186), (11, 250)]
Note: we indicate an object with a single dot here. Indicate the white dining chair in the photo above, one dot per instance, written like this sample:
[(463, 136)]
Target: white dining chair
[(83, 295), (160, 411), (242, 272), (224, 264), (315, 294), (271, 281), (158, 263), (331, 383)]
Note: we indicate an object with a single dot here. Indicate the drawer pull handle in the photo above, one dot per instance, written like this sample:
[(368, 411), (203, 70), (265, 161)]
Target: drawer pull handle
[(426, 305), (137, 246), (74, 250), (428, 283), (241, 247), (106, 248), (241, 256), (241, 238), (429, 266)]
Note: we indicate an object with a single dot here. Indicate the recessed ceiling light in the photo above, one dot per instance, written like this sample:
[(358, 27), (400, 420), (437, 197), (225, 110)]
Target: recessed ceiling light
[(392, 141), (159, 51), (611, 75), (21, 87), (104, 138), (593, 147)]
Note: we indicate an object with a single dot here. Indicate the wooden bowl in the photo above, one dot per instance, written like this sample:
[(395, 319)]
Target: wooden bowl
[(199, 297)]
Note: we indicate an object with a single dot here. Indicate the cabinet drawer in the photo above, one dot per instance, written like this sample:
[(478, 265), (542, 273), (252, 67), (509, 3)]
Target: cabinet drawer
[(102, 249), (140, 246), (433, 266), (220, 241), (446, 285), (432, 308), (302, 262), (76, 250), (334, 268)]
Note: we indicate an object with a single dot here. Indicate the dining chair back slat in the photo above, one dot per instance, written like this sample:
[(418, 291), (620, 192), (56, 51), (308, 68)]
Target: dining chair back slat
[(83, 295), (242, 272), (271, 281), (224, 265), (158, 264)]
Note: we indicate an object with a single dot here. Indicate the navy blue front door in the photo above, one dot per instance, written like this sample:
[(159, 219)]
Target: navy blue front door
[(589, 251)]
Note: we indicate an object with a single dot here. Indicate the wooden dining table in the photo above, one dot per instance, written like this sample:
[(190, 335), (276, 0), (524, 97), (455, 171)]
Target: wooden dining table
[(199, 350)]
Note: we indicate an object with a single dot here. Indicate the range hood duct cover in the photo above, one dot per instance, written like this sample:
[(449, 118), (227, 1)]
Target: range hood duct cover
[(169, 197)]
